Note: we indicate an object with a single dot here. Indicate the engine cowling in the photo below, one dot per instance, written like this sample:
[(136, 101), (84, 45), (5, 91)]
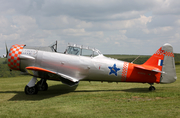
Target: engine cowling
[(13, 56)]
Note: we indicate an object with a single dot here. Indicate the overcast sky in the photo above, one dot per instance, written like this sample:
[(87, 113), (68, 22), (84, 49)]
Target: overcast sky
[(112, 26)]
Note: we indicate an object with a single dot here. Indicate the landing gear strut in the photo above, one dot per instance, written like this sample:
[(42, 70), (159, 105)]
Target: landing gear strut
[(152, 88), (31, 88)]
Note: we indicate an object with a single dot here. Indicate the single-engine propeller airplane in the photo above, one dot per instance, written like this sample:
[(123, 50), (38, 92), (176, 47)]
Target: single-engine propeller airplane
[(79, 63)]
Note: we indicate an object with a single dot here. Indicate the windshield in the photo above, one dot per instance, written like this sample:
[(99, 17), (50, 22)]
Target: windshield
[(73, 50)]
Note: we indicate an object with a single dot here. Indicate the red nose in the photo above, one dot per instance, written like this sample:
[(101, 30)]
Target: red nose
[(13, 57)]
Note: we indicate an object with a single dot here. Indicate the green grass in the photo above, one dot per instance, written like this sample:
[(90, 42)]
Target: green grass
[(90, 100), (2, 60)]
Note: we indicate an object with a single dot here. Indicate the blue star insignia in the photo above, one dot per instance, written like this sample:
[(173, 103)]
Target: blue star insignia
[(113, 70)]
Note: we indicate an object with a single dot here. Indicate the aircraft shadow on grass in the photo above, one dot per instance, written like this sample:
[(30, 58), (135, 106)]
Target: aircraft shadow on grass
[(136, 90), (57, 90)]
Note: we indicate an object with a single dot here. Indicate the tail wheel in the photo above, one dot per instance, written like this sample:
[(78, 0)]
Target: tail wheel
[(152, 88), (31, 90)]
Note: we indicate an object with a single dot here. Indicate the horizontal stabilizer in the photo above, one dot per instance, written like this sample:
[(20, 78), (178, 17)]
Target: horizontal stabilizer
[(148, 68)]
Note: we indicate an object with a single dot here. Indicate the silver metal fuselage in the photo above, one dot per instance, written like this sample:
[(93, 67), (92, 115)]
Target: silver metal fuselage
[(80, 63), (76, 66)]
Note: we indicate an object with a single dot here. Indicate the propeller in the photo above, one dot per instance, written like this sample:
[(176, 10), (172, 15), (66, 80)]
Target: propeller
[(7, 52)]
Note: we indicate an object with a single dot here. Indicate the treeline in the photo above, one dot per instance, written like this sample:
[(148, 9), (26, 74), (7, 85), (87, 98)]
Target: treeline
[(142, 59), (177, 58), (139, 60)]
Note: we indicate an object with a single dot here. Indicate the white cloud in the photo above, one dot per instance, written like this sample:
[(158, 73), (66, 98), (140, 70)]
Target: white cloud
[(158, 30), (9, 37), (144, 20), (116, 26), (122, 31), (76, 32), (3, 22), (25, 22)]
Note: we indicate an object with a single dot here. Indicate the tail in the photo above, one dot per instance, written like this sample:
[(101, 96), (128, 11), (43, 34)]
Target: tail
[(163, 59)]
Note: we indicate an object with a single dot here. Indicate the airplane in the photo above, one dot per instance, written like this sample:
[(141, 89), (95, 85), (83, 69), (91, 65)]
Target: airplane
[(80, 63)]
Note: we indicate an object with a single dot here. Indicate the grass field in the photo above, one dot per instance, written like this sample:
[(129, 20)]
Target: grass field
[(2, 60), (89, 100)]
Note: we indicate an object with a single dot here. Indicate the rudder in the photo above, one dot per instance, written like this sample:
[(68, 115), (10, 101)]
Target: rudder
[(168, 67)]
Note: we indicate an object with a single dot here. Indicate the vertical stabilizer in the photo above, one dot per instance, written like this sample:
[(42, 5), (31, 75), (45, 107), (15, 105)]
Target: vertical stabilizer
[(156, 60), (168, 65), (163, 59)]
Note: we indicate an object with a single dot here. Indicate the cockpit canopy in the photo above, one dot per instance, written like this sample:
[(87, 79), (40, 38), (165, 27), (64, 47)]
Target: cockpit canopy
[(81, 50)]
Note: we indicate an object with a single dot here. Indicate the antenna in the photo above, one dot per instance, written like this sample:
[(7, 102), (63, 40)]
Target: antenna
[(135, 59), (54, 46)]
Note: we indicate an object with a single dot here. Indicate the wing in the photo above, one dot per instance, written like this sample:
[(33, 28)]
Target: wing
[(71, 81), (148, 68)]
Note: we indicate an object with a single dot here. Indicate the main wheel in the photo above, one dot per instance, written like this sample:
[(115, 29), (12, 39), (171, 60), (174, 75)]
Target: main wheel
[(42, 86), (152, 88), (31, 90)]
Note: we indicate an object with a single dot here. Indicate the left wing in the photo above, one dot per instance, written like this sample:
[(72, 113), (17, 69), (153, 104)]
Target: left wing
[(71, 81)]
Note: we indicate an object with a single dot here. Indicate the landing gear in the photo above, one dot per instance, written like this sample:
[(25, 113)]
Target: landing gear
[(31, 90), (152, 88), (42, 85)]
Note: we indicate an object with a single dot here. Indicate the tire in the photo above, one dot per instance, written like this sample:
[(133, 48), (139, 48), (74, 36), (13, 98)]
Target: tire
[(42, 87), (31, 90), (152, 88)]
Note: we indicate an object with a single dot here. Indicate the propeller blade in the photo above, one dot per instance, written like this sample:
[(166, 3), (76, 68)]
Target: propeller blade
[(7, 52)]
